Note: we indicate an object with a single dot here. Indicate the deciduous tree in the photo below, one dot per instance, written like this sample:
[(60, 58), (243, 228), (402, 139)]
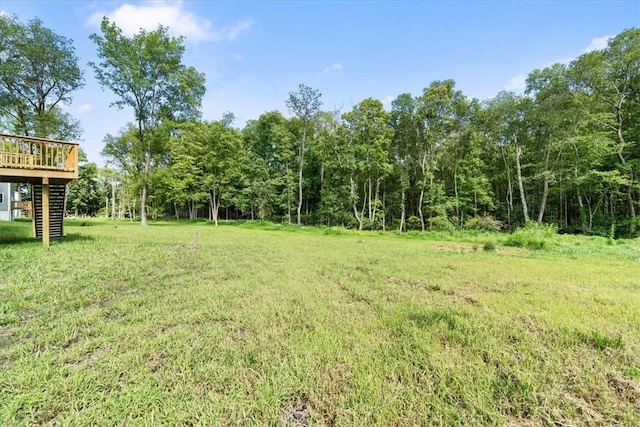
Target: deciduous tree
[(146, 73)]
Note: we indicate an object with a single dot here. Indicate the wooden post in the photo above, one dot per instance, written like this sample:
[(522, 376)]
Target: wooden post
[(45, 211)]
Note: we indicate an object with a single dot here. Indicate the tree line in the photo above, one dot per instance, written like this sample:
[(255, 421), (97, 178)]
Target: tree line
[(564, 152)]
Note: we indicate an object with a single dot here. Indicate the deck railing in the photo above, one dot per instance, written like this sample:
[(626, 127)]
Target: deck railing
[(26, 152)]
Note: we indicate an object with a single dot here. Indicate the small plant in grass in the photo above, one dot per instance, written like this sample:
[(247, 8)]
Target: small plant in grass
[(600, 341), (489, 246)]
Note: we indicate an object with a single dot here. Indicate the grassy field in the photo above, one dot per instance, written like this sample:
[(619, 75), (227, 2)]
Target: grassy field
[(258, 324)]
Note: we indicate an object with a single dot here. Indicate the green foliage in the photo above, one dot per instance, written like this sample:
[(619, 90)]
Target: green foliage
[(413, 223), (440, 223), (489, 246), (532, 236), (84, 195), (30, 99), (146, 73), (487, 223), (601, 341)]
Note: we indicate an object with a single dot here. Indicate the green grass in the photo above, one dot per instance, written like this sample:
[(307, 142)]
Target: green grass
[(262, 324)]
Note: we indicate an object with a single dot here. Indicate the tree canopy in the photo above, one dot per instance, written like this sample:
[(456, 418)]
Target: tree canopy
[(146, 73), (565, 152), (39, 71)]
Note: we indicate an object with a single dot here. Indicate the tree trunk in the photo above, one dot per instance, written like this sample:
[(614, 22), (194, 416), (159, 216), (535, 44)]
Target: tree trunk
[(523, 198), (621, 140), (402, 213), (423, 166), (145, 184), (214, 200), (509, 186), (455, 192), (545, 187), (288, 194), (352, 188), (143, 207), (304, 136), (113, 201)]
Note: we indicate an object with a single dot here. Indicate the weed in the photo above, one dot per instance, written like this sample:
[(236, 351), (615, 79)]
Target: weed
[(489, 246), (601, 342)]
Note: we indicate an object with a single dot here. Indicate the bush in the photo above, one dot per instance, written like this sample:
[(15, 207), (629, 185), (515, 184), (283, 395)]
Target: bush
[(532, 235), (441, 223), (489, 246), (487, 223), (413, 223)]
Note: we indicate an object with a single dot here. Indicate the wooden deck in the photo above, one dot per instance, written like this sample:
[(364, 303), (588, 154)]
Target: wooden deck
[(48, 165), (34, 160)]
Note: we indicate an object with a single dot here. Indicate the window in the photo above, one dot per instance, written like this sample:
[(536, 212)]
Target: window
[(1, 197)]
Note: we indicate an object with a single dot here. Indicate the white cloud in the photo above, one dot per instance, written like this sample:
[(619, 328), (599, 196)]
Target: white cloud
[(516, 83), (147, 15), (335, 67), (84, 108), (238, 57), (3, 13), (597, 43), (236, 29)]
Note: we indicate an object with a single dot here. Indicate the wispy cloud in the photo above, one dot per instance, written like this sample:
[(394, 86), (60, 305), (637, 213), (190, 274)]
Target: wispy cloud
[(335, 67), (235, 30), (516, 83), (84, 108), (238, 57), (597, 43), (148, 15)]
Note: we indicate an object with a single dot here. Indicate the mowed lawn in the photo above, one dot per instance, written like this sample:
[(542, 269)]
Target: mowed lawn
[(123, 325)]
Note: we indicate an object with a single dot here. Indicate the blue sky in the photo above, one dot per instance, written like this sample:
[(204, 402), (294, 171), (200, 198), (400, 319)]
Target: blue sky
[(255, 52)]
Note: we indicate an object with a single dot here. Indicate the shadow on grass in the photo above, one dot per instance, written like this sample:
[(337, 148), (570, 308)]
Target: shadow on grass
[(28, 239)]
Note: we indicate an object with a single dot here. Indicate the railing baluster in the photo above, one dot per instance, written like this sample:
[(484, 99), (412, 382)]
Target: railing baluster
[(37, 153)]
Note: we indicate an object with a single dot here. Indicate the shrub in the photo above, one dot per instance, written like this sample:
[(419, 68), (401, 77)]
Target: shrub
[(413, 223), (441, 223), (487, 223), (532, 235), (489, 246)]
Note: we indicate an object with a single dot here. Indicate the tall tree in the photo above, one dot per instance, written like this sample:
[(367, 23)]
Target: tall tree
[(269, 142), (38, 73), (608, 86), (370, 138), (404, 149), (146, 73), (305, 105), (84, 196), (507, 126), (553, 118)]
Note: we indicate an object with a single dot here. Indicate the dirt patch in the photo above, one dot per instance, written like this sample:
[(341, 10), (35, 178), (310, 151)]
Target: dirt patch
[(458, 297), (627, 389), (475, 248), (414, 283), (297, 413), (583, 407)]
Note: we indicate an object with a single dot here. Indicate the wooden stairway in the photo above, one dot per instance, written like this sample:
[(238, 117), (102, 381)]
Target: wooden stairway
[(56, 209)]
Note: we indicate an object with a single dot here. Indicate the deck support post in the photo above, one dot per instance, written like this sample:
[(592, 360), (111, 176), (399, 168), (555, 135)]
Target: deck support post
[(45, 212)]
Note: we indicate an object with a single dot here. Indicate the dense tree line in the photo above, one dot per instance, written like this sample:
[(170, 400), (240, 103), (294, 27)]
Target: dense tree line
[(564, 152)]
